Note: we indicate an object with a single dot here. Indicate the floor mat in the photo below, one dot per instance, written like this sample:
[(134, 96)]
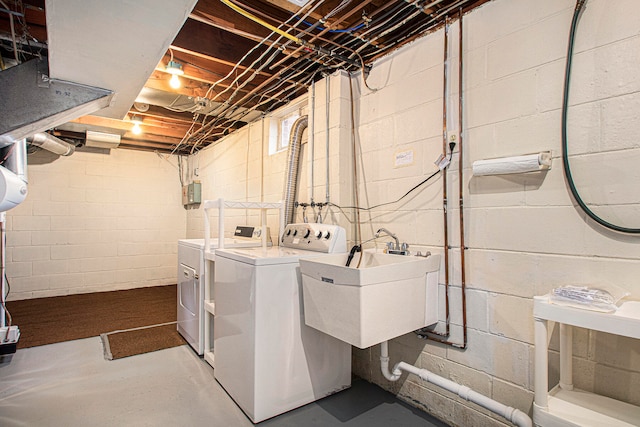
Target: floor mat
[(71, 317), (119, 344)]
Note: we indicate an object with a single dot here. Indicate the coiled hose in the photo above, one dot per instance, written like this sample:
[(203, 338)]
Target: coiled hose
[(565, 151)]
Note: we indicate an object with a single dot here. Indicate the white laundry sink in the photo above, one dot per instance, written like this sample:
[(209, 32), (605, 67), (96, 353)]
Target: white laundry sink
[(385, 297)]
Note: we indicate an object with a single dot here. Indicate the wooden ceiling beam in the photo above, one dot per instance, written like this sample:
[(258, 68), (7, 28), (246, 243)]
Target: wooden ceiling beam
[(223, 70), (222, 15), (159, 80), (163, 113), (210, 58), (161, 129), (199, 37), (205, 72), (142, 145)]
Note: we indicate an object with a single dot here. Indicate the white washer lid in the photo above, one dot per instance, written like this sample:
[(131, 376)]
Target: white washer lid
[(196, 243), (269, 256), (228, 242)]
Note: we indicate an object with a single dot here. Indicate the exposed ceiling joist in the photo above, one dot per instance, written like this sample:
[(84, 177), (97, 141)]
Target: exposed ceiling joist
[(231, 73)]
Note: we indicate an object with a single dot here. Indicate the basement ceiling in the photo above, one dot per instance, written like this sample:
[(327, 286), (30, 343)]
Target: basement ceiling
[(240, 58)]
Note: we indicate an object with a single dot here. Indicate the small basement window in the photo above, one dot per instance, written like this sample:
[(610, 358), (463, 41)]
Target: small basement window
[(280, 129), (286, 124)]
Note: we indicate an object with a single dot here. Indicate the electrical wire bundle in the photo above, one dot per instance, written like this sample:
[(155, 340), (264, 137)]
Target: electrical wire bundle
[(300, 50)]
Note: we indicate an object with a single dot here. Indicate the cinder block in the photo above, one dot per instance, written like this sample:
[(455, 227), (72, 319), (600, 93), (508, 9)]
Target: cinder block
[(425, 122), (497, 356), (614, 351), (465, 415), (618, 384), (86, 265), (65, 194), (420, 395), (18, 238), (66, 281), (528, 47), (20, 269), (476, 380), (31, 223), (511, 317), (42, 268), (511, 273), (27, 285), (494, 102), (30, 253)]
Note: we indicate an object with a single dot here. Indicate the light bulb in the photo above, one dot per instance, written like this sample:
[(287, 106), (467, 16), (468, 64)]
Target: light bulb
[(137, 130), (174, 82)]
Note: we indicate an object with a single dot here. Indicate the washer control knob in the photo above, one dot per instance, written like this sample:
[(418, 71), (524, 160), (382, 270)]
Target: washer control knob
[(327, 236), (289, 232), (307, 233), (295, 232), (318, 234)]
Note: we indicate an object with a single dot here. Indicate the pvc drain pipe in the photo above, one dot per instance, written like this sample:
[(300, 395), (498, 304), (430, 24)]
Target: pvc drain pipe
[(514, 415)]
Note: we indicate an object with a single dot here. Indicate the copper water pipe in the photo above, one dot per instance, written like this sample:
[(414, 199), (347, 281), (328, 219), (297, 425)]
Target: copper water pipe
[(463, 286), (423, 332), (444, 177)]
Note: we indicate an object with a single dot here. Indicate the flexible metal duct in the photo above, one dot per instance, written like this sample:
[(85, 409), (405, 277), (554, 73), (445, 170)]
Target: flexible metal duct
[(293, 165), (51, 143)]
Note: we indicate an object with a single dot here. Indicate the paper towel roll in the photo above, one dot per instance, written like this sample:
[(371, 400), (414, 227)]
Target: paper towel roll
[(509, 165)]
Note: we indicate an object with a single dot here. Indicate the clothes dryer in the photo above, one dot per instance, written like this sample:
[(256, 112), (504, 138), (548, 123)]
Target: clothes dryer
[(191, 277)]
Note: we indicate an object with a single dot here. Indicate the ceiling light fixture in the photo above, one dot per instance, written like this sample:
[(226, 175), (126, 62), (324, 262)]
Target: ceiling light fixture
[(137, 121), (175, 69)]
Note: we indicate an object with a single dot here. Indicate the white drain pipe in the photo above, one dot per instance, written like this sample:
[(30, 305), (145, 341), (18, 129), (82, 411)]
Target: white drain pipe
[(514, 415)]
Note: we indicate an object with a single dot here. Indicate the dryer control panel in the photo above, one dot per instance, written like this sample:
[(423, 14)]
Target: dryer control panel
[(326, 238)]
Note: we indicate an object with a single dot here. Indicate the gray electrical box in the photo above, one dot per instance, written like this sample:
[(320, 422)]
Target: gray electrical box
[(192, 193)]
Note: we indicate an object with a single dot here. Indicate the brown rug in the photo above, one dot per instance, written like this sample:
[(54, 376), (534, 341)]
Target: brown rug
[(57, 319), (121, 344)]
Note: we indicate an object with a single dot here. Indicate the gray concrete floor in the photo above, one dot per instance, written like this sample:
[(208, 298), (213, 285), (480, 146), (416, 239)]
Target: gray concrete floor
[(71, 384)]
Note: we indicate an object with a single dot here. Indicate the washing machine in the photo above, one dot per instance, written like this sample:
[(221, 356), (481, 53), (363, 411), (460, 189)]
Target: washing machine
[(267, 359), (190, 313)]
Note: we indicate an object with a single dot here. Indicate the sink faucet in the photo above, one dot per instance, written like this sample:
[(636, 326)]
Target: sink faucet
[(390, 234)]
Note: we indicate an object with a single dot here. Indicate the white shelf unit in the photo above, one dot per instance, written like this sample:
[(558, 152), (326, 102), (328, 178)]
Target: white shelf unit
[(209, 255), (565, 405)]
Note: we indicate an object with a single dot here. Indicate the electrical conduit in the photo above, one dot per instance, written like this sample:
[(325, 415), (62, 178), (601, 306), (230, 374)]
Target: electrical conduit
[(514, 415)]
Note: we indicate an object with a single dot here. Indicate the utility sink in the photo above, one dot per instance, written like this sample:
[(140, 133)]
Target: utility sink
[(385, 297)]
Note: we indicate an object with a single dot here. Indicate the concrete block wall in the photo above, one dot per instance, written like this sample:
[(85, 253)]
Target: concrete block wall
[(240, 167), (95, 222), (524, 235)]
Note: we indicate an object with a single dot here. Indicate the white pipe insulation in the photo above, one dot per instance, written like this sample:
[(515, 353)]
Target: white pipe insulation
[(514, 415)]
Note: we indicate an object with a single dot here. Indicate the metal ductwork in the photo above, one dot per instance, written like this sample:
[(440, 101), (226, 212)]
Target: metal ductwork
[(51, 143), (13, 175), (293, 166), (31, 102)]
